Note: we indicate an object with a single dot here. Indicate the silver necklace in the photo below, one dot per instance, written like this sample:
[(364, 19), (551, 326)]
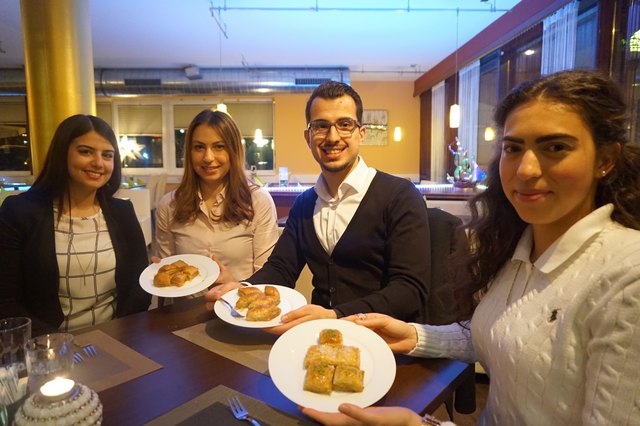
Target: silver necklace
[(513, 282), (91, 262)]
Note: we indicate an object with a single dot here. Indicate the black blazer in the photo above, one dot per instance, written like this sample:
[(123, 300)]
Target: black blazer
[(29, 269)]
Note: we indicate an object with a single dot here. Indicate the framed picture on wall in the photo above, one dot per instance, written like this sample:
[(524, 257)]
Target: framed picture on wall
[(375, 121)]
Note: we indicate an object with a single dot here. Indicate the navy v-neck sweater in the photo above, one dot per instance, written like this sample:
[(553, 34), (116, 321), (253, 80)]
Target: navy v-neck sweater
[(380, 264)]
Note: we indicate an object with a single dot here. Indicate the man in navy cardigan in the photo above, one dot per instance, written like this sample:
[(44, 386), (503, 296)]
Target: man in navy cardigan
[(363, 233)]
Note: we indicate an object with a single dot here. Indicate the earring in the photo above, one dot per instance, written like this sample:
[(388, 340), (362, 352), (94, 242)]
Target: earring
[(604, 173)]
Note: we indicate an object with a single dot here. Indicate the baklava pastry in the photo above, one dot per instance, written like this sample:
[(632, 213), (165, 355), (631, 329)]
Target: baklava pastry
[(244, 301), (264, 300), (175, 274), (348, 355), (348, 379), (162, 279), (245, 291), (190, 271), (179, 279), (180, 264), (273, 292), (263, 313), (168, 269), (324, 354), (330, 337), (319, 378)]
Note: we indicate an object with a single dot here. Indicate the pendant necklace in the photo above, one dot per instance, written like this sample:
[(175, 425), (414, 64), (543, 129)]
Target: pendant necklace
[(513, 282), (84, 269)]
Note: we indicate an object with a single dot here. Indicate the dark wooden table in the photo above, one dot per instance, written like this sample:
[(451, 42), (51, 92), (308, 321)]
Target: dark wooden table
[(189, 370)]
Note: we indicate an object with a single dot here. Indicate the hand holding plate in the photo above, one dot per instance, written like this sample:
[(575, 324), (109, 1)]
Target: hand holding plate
[(400, 336), (300, 315)]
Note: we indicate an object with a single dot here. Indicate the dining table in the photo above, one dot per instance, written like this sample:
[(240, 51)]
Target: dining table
[(189, 370)]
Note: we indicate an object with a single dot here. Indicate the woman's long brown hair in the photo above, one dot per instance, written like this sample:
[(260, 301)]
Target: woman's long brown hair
[(238, 206)]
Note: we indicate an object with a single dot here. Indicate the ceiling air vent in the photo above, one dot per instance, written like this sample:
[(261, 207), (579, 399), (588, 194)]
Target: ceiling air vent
[(311, 81), (142, 82), (215, 81)]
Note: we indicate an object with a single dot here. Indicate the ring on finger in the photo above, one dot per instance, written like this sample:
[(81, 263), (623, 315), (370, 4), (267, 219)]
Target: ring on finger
[(361, 316)]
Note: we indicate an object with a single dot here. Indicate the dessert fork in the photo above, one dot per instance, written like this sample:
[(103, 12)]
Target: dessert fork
[(239, 412), (234, 312)]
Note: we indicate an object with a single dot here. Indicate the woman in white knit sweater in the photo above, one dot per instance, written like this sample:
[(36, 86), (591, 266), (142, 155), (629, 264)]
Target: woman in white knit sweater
[(557, 260)]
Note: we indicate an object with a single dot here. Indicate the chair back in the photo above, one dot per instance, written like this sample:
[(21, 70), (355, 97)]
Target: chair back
[(447, 235)]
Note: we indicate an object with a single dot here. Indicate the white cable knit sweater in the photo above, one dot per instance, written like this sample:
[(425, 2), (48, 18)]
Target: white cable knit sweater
[(565, 350)]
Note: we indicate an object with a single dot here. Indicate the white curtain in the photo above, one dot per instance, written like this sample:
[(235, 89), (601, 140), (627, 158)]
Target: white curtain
[(559, 39), (438, 120), (468, 99)]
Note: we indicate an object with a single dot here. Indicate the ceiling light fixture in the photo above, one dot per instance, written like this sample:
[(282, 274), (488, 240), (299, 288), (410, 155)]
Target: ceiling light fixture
[(454, 111)]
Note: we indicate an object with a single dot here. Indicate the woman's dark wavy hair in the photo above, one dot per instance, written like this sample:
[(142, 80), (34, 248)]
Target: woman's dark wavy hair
[(238, 205), (53, 180), (495, 227)]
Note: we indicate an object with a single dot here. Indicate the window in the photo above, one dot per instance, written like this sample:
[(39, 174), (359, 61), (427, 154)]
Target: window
[(140, 136), (586, 35), (15, 149), (488, 99), (255, 121)]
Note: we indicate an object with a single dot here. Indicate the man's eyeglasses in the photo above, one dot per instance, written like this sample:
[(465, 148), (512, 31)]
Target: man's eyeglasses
[(344, 126)]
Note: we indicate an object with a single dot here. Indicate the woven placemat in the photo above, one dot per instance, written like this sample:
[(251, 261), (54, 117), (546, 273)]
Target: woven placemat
[(247, 346), (212, 408), (114, 363)]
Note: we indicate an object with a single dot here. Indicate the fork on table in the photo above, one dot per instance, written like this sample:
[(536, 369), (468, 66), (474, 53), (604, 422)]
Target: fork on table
[(239, 412), (88, 349)]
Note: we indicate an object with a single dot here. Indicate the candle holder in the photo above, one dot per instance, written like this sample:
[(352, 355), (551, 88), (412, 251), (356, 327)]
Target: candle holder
[(64, 402)]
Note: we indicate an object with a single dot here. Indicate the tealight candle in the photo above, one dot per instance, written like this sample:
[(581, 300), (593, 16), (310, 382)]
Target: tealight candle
[(57, 389)]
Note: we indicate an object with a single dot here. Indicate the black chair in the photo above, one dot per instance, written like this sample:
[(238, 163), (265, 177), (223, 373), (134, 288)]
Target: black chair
[(447, 235)]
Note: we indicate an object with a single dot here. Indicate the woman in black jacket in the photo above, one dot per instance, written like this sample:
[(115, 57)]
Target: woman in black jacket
[(70, 252)]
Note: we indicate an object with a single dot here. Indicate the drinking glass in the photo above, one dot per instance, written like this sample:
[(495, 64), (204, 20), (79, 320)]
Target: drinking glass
[(49, 356), (14, 334)]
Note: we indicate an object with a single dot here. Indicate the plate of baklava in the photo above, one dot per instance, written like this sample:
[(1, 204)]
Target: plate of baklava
[(260, 305), (179, 275), (323, 363)]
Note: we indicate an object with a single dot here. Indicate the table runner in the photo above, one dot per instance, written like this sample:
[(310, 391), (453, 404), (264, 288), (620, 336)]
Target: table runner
[(212, 408), (114, 362), (247, 346)]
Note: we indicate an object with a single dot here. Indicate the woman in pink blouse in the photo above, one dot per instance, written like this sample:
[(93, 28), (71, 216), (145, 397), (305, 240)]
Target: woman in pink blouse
[(216, 210)]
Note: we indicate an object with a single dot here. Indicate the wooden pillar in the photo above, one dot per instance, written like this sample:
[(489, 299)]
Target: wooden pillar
[(58, 61)]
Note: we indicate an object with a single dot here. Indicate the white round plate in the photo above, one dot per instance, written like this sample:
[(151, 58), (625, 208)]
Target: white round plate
[(290, 299), (286, 364), (209, 271)]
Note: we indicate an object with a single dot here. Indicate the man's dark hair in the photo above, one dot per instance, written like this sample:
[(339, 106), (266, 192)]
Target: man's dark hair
[(334, 90)]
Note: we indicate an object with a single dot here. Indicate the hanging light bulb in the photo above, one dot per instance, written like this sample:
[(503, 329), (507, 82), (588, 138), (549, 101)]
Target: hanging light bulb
[(454, 110), (454, 116), (397, 134), (222, 107), (489, 134)]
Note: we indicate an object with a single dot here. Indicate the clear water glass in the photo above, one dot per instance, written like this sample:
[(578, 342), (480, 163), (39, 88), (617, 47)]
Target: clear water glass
[(49, 356), (14, 334)]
